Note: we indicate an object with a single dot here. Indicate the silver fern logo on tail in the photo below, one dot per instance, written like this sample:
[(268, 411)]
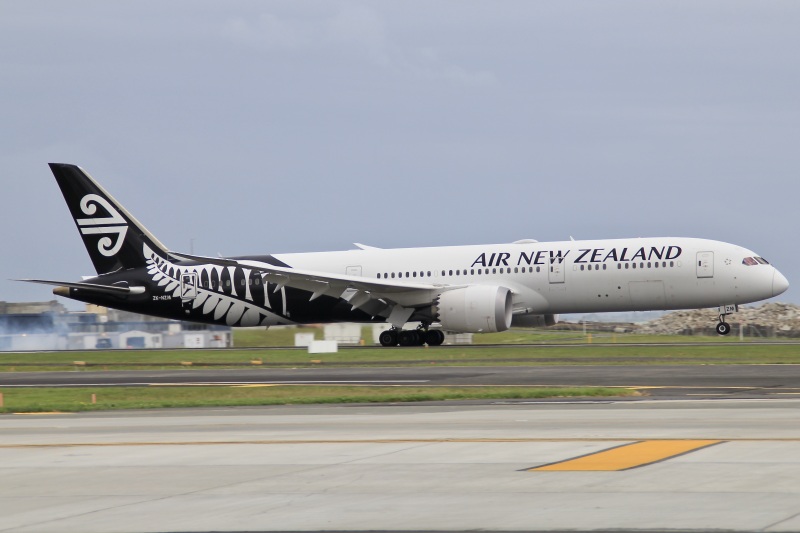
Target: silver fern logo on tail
[(113, 224)]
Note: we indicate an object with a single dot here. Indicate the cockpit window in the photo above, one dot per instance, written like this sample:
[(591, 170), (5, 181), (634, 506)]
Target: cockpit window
[(751, 261)]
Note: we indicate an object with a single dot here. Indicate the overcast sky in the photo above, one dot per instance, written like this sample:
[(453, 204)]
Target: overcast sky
[(268, 127)]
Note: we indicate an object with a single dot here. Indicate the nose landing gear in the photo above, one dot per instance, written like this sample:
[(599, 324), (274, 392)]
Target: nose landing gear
[(723, 328)]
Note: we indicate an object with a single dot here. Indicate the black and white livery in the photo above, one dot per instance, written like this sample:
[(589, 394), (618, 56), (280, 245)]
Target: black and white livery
[(483, 288)]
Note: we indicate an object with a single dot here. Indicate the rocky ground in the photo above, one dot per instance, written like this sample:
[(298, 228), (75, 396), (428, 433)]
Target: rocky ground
[(768, 320)]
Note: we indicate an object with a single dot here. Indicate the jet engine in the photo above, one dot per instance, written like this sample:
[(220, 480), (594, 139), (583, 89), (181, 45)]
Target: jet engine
[(475, 309)]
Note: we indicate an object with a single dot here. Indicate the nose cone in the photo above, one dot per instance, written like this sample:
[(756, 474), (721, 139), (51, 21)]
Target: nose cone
[(779, 283)]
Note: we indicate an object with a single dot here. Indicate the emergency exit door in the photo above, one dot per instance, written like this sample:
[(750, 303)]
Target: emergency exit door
[(188, 286), (556, 272)]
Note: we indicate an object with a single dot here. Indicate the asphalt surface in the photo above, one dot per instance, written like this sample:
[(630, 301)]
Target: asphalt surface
[(659, 382), (402, 468)]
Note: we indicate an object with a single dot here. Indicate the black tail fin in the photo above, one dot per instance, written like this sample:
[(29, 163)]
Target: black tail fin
[(114, 239)]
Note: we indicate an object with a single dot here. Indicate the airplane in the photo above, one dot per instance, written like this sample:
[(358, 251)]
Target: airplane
[(470, 289)]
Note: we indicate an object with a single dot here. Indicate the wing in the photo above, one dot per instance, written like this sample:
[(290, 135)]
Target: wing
[(376, 296)]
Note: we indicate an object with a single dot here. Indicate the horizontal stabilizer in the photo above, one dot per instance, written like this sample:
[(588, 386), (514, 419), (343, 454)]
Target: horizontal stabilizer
[(91, 287)]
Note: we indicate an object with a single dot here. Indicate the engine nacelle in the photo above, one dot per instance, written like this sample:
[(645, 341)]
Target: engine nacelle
[(533, 321), (475, 309)]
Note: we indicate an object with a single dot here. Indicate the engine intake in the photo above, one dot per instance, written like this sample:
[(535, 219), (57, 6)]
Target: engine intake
[(475, 309)]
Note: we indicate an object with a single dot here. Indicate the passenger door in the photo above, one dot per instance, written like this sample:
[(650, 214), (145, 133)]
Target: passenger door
[(705, 264)]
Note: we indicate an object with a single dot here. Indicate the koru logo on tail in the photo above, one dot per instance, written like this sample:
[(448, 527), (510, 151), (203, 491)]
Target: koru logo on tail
[(113, 224)]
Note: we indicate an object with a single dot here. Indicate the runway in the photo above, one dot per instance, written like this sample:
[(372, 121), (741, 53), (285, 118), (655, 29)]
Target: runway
[(657, 381), (735, 466), (669, 459)]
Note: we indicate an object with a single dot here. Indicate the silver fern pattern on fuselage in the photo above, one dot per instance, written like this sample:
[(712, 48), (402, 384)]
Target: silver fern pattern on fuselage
[(236, 304)]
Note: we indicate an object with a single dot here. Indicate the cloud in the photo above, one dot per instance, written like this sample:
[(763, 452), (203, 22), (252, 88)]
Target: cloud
[(355, 31), (267, 31)]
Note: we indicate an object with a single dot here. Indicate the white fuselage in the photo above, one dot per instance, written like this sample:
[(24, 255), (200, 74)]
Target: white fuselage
[(574, 276)]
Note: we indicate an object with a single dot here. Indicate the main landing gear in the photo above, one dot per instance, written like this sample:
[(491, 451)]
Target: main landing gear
[(411, 337)]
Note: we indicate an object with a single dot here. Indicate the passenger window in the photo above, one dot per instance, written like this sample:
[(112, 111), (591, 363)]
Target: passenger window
[(415, 274), (672, 263), (451, 272), (581, 267), (633, 265), (429, 273), (494, 271)]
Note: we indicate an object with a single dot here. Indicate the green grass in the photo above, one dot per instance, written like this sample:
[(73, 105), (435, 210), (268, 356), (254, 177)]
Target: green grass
[(584, 354), (283, 337), (524, 336), (262, 337), (37, 400)]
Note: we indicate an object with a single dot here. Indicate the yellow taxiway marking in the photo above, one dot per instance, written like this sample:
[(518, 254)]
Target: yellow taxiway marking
[(627, 456), (44, 413)]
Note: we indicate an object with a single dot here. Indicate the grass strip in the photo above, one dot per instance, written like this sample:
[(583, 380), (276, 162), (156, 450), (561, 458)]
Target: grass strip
[(54, 399), (279, 336), (586, 354)]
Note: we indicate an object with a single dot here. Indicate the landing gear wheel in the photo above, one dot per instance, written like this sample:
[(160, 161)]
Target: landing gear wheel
[(408, 338), (723, 328), (434, 337), (388, 338)]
